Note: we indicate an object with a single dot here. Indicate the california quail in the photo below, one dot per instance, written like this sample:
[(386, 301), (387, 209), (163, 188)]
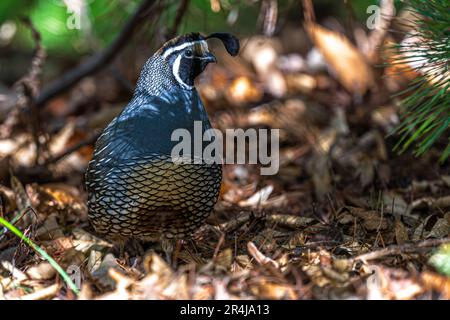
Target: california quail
[(135, 189)]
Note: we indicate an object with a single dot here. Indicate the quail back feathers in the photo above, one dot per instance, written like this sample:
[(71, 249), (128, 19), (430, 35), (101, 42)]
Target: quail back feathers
[(134, 187)]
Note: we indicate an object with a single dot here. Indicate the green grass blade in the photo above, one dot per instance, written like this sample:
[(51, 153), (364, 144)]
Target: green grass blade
[(44, 255)]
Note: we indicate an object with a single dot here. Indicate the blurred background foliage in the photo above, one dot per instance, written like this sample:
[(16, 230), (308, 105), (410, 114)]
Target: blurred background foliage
[(101, 19), (67, 39)]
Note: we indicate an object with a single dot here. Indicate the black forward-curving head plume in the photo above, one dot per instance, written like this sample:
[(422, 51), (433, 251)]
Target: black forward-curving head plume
[(230, 42)]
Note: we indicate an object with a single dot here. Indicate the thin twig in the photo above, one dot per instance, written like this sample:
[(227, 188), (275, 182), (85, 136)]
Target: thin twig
[(308, 11), (184, 4), (270, 17), (101, 59), (27, 88), (404, 248), (72, 149)]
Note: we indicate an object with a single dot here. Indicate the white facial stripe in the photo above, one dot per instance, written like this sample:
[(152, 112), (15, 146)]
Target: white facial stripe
[(184, 45), (176, 69)]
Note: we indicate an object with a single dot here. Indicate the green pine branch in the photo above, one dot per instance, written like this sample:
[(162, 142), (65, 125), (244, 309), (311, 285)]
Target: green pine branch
[(426, 116)]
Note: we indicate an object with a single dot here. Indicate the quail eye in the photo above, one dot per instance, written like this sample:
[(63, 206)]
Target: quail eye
[(188, 53)]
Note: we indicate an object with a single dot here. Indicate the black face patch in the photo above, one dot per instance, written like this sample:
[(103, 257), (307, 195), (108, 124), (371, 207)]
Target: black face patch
[(189, 69), (190, 66)]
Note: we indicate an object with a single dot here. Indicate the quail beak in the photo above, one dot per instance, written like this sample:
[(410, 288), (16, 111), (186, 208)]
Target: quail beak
[(207, 57)]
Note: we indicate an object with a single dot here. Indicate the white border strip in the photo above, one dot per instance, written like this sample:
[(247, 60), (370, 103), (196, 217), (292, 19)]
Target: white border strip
[(175, 71), (182, 46)]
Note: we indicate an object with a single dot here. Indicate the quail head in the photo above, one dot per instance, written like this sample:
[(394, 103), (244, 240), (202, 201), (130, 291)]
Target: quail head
[(135, 189)]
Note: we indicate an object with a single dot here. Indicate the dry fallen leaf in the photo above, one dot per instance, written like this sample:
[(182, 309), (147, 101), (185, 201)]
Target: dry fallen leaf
[(42, 271), (243, 90), (441, 228), (372, 220), (346, 61), (437, 282), (269, 290), (401, 232)]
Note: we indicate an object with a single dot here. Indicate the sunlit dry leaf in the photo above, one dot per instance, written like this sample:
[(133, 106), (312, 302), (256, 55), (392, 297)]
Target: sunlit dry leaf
[(220, 290), (244, 261), (225, 258), (407, 290), (326, 140), (61, 197), (42, 294), (59, 140), (301, 83), (342, 265), (398, 73), (122, 283), (203, 293), (177, 288), (85, 292), (16, 274), (269, 290), (153, 263), (283, 261), (83, 241), (42, 271), (262, 52), (260, 257), (242, 90), (348, 63), (260, 116), (275, 84), (316, 275), (416, 53), (259, 198), (94, 261), (376, 284), (437, 282)]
